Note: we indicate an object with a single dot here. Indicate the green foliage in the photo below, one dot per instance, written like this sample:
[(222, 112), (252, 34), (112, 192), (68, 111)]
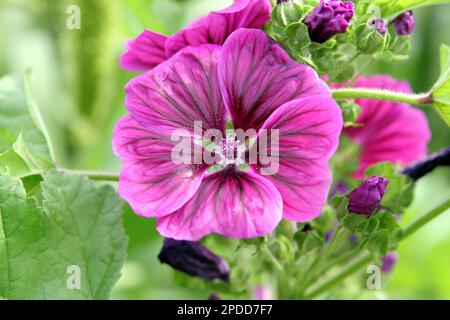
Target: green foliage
[(390, 9), (24, 149), (77, 224), (441, 90)]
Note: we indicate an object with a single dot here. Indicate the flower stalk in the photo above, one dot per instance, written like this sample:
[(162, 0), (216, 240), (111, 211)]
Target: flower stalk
[(387, 95), (93, 175)]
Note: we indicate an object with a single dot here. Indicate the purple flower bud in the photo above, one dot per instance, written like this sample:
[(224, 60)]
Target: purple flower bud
[(194, 259), (328, 235), (420, 168), (379, 25), (366, 198), (214, 296), (329, 18), (388, 262), (281, 1), (404, 23)]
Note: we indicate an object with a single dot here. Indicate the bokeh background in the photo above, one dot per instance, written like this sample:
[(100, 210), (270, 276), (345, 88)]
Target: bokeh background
[(79, 88)]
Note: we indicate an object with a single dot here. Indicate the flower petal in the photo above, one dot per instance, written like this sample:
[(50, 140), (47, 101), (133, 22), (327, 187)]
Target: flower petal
[(218, 25), (391, 131), (145, 52), (309, 131), (233, 203), (257, 76), (179, 92), (150, 181)]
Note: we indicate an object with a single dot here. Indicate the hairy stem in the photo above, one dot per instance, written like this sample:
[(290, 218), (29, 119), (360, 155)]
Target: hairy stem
[(365, 93), (93, 175), (418, 223)]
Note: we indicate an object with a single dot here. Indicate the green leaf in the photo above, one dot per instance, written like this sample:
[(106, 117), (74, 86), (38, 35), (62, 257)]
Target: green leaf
[(378, 242), (76, 227), (390, 9), (441, 90), (354, 222), (340, 204), (24, 147), (285, 14)]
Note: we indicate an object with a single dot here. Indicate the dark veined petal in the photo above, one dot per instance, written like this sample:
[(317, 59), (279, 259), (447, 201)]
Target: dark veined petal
[(179, 92), (232, 203), (218, 25), (152, 183), (145, 52), (297, 164), (257, 76)]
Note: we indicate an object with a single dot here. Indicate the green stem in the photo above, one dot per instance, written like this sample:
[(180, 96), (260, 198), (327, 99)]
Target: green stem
[(357, 264), (366, 258), (274, 260), (366, 93), (415, 225), (93, 175)]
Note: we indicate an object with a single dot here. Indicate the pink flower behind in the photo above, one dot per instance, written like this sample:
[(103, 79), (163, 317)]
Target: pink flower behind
[(150, 48), (255, 83), (391, 131)]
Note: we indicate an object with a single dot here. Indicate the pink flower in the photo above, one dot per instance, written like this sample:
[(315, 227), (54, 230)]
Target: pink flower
[(253, 81), (391, 131), (150, 48)]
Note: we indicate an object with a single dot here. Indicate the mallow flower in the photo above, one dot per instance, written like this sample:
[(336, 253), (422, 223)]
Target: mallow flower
[(253, 83), (151, 48), (389, 131)]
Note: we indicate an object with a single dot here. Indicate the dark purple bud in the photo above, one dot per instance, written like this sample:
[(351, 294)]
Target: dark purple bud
[(379, 25), (420, 168), (388, 262), (366, 198), (281, 1), (329, 18), (214, 296), (404, 23), (194, 259)]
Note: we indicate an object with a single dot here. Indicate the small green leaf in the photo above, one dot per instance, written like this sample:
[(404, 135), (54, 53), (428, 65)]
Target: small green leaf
[(78, 227), (340, 205), (355, 222), (24, 147), (441, 90), (378, 242), (285, 14)]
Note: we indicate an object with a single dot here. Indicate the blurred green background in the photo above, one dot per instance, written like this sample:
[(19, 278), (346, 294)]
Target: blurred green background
[(79, 88)]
